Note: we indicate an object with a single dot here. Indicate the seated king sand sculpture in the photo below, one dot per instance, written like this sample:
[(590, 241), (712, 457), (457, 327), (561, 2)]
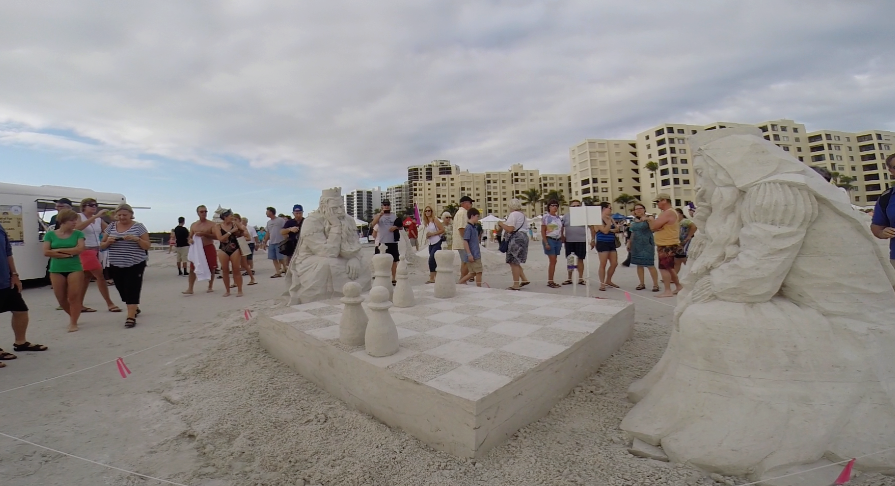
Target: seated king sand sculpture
[(782, 349), (328, 254)]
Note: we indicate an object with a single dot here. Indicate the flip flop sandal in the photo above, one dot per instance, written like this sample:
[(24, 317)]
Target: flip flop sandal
[(88, 309), (114, 308), (138, 311), (602, 288), (612, 285), (276, 275), (253, 283), (656, 288), (7, 356), (523, 284), (640, 287), (394, 282), (553, 285), (582, 282), (26, 346), (567, 282), (130, 322), (513, 288), (430, 281)]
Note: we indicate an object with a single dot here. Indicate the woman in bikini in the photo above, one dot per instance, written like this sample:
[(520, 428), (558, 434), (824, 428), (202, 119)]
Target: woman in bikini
[(63, 246), (227, 232)]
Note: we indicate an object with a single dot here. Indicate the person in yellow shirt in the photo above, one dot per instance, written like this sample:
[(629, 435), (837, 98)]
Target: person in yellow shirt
[(666, 231)]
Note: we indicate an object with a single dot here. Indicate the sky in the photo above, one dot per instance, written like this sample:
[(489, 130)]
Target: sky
[(249, 104)]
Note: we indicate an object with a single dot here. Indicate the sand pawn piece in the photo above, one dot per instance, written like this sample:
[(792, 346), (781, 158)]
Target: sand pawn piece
[(353, 325), (445, 286), (382, 335), (403, 296), (382, 270)]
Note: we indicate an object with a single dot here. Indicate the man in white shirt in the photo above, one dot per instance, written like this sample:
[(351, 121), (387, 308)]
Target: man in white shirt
[(273, 238), (460, 222)]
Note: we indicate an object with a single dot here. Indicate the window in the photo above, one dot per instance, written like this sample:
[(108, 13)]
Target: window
[(686, 181), (647, 137), (680, 141), (773, 128), (776, 137), (674, 170), (604, 189), (801, 159), (797, 139), (683, 161), (851, 158), (663, 161), (767, 137), (795, 130), (798, 149), (871, 177), (764, 128), (783, 129), (685, 171), (814, 138), (674, 160), (865, 138), (828, 136), (868, 167), (872, 187), (866, 148), (677, 181), (660, 142), (848, 139), (784, 138), (692, 132), (677, 202), (660, 131), (673, 150), (647, 146), (785, 148), (680, 131), (682, 151), (663, 172), (818, 158), (867, 157), (854, 169), (666, 182), (586, 190), (817, 148), (663, 151)]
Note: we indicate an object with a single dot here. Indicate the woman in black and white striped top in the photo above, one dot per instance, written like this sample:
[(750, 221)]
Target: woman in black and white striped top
[(127, 241)]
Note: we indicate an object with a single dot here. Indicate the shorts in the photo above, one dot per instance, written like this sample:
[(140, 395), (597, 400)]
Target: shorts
[(475, 267), (463, 256), (273, 252), (251, 251), (211, 257), (579, 248), (552, 246), (90, 260), (666, 256), (604, 246), (11, 301), (391, 249), (182, 253)]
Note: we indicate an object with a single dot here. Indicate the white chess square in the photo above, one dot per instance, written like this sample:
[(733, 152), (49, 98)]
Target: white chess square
[(293, 317), (499, 314), (448, 317), (402, 354), (468, 382), (516, 329), (551, 311), (334, 317), (445, 306), (534, 349), (459, 351), (402, 318), (310, 306), (536, 302), (405, 333), (453, 332), (331, 332), (575, 326)]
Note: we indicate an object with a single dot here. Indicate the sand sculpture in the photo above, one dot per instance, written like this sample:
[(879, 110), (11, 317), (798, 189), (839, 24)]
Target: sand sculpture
[(382, 270), (403, 296), (328, 253), (782, 346), (381, 338), (445, 286), (353, 324)]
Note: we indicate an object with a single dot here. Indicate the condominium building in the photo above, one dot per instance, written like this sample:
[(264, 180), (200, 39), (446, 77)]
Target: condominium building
[(399, 196), (445, 184), (361, 203), (603, 170), (858, 156)]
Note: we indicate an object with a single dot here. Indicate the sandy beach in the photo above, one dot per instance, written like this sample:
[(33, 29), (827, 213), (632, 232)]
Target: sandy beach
[(205, 405)]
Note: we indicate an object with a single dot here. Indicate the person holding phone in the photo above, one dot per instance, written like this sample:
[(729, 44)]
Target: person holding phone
[(127, 241), (93, 226), (605, 246)]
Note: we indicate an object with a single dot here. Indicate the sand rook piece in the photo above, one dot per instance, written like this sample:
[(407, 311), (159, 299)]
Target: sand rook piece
[(328, 253), (403, 296), (382, 270), (782, 341), (445, 286), (353, 325), (382, 335)]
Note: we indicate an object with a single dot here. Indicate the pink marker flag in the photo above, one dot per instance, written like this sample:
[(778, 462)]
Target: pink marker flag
[(122, 368), (845, 475), (248, 315), (416, 214), (628, 296)]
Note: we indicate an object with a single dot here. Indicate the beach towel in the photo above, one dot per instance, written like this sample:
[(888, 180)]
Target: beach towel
[(196, 256)]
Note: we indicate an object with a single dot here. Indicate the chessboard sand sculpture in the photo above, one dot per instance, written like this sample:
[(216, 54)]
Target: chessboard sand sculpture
[(403, 296), (328, 253), (783, 340), (382, 270), (353, 324), (445, 285), (381, 337)]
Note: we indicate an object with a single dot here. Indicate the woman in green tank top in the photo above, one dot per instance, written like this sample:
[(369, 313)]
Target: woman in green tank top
[(63, 246)]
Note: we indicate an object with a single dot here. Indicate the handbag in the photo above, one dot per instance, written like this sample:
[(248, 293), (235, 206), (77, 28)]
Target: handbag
[(618, 242), (243, 245)]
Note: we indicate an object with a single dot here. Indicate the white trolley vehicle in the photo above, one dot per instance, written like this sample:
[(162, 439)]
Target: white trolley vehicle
[(25, 212)]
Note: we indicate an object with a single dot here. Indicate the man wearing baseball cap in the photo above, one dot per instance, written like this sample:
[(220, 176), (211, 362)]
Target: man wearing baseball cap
[(292, 228), (666, 230), (460, 220), (386, 223), (64, 203)]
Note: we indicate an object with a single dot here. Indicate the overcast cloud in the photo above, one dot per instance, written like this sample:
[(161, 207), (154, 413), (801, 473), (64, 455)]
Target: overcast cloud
[(349, 91)]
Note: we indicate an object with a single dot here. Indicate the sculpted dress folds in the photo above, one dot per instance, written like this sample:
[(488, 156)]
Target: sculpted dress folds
[(328, 254), (783, 345)]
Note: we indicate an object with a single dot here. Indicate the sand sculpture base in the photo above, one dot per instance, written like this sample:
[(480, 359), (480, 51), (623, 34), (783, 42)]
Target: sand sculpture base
[(470, 371)]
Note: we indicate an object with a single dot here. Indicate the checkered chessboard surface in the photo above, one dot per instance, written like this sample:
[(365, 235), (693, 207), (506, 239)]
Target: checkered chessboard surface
[(472, 344)]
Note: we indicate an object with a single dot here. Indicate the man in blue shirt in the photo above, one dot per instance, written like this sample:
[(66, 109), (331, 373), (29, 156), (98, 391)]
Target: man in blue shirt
[(474, 265), (11, 300), (884, 214)]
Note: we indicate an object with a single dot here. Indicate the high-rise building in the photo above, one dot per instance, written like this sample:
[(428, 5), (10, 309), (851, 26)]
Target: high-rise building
[(491, 191), (399, 196), (858, 158), (362, 203), (603, 170)]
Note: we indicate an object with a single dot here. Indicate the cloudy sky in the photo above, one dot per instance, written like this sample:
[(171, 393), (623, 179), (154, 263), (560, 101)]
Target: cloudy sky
[(252, 103)]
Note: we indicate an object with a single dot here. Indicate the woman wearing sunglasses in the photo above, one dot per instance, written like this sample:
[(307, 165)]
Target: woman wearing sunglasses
[(434, 231), (93, 226)]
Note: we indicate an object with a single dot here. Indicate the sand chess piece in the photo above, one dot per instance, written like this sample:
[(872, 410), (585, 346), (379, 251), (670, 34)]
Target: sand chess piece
[(403, 296), (353, 325), (382, 335), (445, 286), (382, 270)]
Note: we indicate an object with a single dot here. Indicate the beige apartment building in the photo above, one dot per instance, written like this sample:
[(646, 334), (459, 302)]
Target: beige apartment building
[(860, 156), (602, 170), (439, 184)]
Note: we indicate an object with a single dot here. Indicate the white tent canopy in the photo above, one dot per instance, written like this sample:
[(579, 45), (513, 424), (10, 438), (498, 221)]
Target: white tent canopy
[(360, 223), (491, 219)]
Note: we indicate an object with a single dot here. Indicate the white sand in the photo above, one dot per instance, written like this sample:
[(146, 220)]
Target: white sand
[(212, 408)]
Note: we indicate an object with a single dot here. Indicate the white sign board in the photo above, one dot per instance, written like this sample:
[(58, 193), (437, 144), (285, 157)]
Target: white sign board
[(585, 215)]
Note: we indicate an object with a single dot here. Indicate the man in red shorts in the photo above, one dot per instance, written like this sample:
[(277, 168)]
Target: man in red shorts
[(203, 229)]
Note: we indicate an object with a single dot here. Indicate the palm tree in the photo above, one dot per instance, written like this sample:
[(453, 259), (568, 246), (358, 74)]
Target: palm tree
[(554, 195), (588, 201), (624, 200), (451, 208), (845, 182), (654, 168), (834, 177), (530, 197)]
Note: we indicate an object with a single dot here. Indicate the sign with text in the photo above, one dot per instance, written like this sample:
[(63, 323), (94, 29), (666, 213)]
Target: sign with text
[(586, 215), (11, 219)]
